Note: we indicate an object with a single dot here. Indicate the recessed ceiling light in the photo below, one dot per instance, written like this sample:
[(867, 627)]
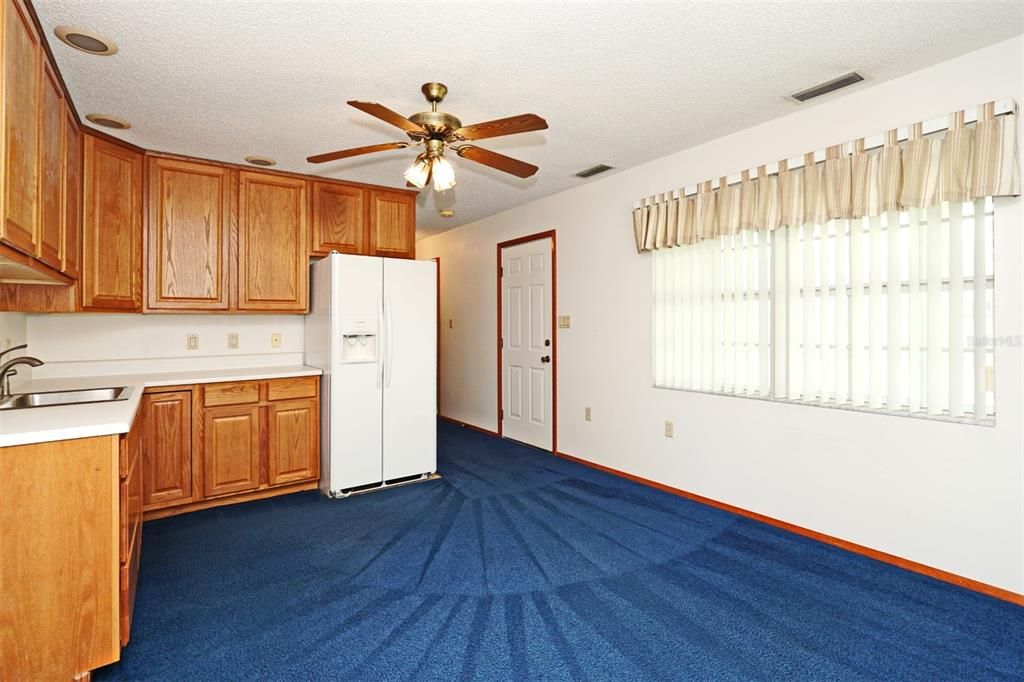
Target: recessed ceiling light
[(108, 121), (260, 161), (86, 41), (446, 212)]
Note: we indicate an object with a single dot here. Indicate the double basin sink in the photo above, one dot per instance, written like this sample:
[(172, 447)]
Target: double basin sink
[(52, 398)]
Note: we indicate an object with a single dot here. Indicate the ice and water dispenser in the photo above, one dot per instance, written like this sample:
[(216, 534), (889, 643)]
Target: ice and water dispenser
[(359, 341)]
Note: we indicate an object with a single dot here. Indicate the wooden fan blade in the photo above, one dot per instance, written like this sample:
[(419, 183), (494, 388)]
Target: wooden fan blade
[(383, 113), (356, 151), (523, 123), (518, 168)]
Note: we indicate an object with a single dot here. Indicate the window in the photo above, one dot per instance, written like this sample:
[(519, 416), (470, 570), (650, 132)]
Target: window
[(889, 313)]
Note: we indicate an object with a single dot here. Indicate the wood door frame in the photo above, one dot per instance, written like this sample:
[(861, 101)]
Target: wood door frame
[(537, 236), (437, 347)]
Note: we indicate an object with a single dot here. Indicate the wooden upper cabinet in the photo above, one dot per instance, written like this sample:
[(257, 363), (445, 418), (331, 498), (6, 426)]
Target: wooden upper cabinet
[(167, 462), (112, 228), (22, 54), (392, 224), (273, 243), (293, 443), (71, 254), (191, 207), (231, 449), (339, 219), (51, 180)]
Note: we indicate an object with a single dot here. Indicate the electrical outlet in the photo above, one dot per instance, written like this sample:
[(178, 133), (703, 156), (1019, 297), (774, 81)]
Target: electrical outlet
[(232, 341), (192, 342), (670, 429), (275, 340), (586, 412)]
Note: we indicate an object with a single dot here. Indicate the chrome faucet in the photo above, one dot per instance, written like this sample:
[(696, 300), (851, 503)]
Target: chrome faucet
[(7, 369)]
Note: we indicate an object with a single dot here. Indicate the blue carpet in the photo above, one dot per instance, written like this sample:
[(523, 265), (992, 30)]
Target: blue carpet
[(521, 565)]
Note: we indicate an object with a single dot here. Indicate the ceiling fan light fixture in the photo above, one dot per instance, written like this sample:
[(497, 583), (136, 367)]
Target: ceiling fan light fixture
[(443, 174), (418, 174)]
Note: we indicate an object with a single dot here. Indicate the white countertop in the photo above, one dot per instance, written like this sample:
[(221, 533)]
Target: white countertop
[(64, 422)]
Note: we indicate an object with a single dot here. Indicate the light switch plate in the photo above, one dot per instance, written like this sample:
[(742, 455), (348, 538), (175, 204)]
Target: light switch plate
[(586, 413), (275, 340), (564, 321), (192, 342), (670, 429), (232, 341)]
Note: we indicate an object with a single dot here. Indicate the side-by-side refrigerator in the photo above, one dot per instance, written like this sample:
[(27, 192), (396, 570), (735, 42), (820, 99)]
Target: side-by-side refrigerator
[(372, 329)]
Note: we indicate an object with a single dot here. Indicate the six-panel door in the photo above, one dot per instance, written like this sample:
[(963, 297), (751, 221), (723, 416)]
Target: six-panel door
[(167, 470), (188, 235), (231, 449), (273, 246)]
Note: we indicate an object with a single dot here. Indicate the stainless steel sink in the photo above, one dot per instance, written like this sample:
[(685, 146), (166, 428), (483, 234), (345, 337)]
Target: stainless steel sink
[(51, 398)]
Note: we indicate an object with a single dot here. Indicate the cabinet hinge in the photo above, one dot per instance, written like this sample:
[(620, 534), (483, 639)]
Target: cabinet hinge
[(501, 270), (501, 413), (501, 343)]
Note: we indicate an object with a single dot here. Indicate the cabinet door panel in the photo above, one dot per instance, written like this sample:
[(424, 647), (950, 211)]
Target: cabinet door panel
[(21, 74), (272, 243), (112, 230), (392, 224), (231, 450), (71, 254), (339, 219), (168, 449), (51, 190), (188, 235), (293, 442)]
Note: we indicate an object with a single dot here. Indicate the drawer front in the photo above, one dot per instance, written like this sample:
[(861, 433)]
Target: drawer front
[(236, 393), (291, 389)]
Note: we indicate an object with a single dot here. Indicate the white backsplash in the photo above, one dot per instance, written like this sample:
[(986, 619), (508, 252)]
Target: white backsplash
[(95, 344)]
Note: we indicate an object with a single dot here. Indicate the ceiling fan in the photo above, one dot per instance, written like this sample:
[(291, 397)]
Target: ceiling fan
[(436, 131)]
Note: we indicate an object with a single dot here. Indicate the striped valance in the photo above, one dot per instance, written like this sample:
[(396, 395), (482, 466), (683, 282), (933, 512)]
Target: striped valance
[(975, 156)]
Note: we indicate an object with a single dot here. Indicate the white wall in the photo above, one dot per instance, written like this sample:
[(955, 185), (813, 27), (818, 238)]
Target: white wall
[(14, 332), (88, 344), (947, 495)]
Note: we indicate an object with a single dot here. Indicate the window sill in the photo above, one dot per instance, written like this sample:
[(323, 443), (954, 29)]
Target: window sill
[(969, 420)]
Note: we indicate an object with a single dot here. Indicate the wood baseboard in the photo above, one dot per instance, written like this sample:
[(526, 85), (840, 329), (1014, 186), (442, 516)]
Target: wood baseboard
[(906, 564), (467, 425), (230, 499)]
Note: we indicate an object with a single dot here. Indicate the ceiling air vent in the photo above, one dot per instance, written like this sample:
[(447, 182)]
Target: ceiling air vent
[(825, 88), (594, 170)]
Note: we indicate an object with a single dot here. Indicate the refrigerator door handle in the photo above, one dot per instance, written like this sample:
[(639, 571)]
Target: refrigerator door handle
[(380, 345), (389, 343)]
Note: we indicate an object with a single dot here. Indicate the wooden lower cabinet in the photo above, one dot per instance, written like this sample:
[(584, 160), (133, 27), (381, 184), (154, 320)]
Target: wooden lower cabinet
[(293, 447), (167, 468), (132, 452), (214, 444), (231, 450)]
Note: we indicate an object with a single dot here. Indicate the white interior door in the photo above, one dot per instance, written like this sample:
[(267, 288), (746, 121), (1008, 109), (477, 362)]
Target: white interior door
[(526, 356)]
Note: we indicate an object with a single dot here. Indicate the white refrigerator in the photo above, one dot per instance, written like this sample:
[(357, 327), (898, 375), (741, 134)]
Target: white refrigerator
[(372, 329)]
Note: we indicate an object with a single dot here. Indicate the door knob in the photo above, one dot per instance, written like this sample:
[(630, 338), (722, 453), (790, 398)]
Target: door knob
[(545, 358)]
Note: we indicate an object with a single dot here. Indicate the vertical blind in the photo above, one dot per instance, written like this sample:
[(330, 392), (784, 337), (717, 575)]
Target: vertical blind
[(887, 312)]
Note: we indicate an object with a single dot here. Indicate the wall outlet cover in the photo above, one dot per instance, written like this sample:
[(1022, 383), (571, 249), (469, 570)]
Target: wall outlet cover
[(586, 413), (275, 340), (192, 342), (233, 341)]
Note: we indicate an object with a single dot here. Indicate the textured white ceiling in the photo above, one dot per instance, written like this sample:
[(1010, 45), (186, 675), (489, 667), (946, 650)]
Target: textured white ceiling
[(619, 83)]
